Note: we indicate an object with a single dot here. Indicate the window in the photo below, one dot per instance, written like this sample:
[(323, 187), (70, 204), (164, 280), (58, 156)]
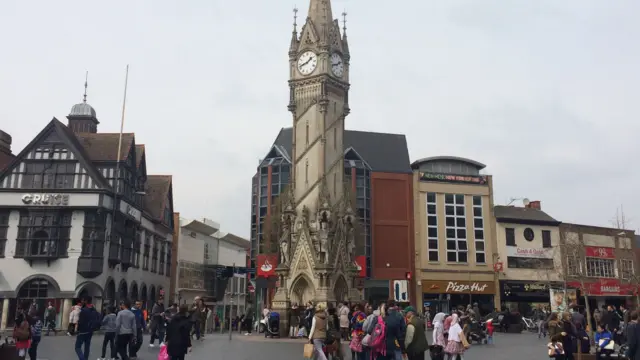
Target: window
[(167, 271), (573, 266), (528, 234), (154, 255), (4, 229), (162, 258), (626, 269), (93, 234), (49, 175), (34, 289), (432, 227), (546, 238), (145, 254), (604, 268), (478, 230), (137, 244), (167, 215), (43, 234), (361, 172), (456, 228), (510, 235)]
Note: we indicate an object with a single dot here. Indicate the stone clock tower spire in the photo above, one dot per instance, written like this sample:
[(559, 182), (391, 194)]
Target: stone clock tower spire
[(317, 245)]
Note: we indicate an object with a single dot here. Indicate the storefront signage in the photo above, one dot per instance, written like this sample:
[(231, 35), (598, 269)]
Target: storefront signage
[(266, 265), (605, 287), (429, 176), (129, 210), (527, 286), (46, 199), (458, 287), (538, 253), (599, 252)]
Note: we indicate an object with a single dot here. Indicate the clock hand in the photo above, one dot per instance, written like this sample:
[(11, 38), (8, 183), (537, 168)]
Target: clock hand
[(306, 62)]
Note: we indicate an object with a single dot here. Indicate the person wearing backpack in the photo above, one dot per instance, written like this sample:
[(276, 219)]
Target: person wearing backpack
[(88, 322)]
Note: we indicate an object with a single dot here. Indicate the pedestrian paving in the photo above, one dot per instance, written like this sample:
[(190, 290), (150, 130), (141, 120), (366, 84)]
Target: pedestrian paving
[(218, 347)]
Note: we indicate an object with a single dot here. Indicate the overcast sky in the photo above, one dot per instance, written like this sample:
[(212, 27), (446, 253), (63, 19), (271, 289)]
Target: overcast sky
[(543, 92)]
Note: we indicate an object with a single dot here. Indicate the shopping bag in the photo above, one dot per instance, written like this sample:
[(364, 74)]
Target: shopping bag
[(464, 340), (163, 355), (308, 351)]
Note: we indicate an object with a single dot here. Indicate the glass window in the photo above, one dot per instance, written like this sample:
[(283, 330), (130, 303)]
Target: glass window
[(510, 236), (546, 238), (597, 267), (43, 234), (432, 228), (4, 229), (455, 227), (49, 175), (626, 269)]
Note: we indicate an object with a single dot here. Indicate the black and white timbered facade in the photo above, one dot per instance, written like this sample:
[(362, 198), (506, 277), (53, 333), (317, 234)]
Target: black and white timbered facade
[(78, 216)]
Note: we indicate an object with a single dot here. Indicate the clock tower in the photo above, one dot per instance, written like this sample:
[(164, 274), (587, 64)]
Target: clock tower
[(317, 241), (319, 102)]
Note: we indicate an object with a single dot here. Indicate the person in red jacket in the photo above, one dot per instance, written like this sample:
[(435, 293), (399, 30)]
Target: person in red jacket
[(489, 331)]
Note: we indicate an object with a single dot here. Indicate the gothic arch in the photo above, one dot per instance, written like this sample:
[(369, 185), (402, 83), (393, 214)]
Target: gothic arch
[(123, 290), (110, 292), (302, 290), (134, 291), (341, 289), (52, 282), (89, 288)]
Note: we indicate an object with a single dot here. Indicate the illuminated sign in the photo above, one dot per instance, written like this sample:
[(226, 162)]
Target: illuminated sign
[(466, 179)]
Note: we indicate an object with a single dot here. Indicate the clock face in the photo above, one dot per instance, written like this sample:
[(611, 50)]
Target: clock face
[(307, 62), (337, 65)]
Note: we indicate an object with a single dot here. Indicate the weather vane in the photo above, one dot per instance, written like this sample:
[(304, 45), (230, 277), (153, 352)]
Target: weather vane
[(344, 20), (86, 81)]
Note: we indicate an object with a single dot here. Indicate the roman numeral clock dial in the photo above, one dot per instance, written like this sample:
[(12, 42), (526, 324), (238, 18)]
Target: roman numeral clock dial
[(337, 65), (307, 62)]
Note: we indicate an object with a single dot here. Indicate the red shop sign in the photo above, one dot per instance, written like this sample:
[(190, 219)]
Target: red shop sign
[(604, 287), (599, 252), (266, 265), (361, 263)]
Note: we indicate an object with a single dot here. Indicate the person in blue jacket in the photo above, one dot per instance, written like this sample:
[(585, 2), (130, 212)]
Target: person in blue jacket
[(603, 338), (141, 324)]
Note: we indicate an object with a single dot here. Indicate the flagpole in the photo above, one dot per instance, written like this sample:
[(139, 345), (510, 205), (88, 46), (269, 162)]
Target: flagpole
[(124, 106)]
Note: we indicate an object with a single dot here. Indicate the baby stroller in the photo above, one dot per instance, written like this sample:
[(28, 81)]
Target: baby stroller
[(271, 325)]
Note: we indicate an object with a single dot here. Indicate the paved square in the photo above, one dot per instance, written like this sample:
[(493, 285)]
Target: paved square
[(524, 346)]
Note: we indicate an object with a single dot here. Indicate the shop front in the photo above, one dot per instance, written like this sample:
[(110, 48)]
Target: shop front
[(603, 292), (526, 295), (444, 295)]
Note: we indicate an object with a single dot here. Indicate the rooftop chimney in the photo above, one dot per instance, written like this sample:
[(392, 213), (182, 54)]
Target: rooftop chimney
[(534, 205), (5, 142)]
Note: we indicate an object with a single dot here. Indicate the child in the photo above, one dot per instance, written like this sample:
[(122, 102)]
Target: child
[(604, 343), (109, 327), (36, 336), (489, 325), (556, 350)]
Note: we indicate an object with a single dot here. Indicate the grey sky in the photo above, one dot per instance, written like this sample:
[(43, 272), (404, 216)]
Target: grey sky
[(543, 92)]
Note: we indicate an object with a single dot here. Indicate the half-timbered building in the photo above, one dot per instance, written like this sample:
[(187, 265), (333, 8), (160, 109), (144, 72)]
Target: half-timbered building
[(80, 216)]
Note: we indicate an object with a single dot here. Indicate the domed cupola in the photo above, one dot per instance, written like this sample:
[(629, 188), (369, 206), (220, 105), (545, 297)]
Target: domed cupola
[(82, 118)]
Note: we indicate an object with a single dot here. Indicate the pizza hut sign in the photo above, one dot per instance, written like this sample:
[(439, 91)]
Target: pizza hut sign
[(454, 287)]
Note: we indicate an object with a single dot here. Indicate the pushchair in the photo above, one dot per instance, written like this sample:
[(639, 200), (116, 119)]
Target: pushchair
[(272, 325)]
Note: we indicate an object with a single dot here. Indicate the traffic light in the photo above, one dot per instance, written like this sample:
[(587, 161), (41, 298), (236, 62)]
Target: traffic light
[(407, 275)]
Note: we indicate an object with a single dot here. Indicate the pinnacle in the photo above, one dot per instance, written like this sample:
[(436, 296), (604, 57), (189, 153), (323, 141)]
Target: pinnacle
[(320, 12)]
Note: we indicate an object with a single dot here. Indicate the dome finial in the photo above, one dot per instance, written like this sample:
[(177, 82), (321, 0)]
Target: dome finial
[(86, 80)]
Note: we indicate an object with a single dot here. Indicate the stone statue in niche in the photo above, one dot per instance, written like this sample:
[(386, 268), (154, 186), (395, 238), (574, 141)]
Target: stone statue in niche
[(351, 243), (284, 251)]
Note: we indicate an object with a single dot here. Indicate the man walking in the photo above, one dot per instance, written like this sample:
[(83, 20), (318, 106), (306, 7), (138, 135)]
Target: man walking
[(126, 330), (140, 326), (88, 321), (50, 319), (157, 322)]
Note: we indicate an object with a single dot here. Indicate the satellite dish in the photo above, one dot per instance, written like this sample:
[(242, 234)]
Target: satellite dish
[(526, 202)]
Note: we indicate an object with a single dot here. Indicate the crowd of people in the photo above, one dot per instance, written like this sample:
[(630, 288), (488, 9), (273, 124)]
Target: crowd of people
[(123, 327)]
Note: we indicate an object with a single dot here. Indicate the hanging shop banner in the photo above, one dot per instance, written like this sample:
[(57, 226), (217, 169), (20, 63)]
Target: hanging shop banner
[(605, 287), (599, 252), (361, 263), (562, 300), (266, 265)]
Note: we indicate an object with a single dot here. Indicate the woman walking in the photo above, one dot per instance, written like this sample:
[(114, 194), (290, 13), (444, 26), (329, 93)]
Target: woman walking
[(344, 321), (357, 322), (178, 336), (454, 348), (438, 330), (318, 331)]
